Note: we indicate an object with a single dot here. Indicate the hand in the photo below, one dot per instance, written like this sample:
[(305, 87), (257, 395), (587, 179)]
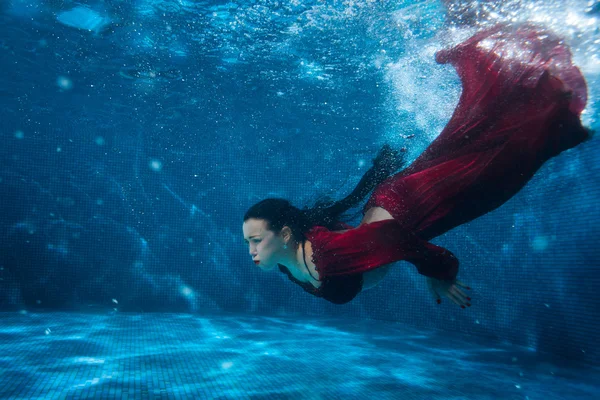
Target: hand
[(450, 289)]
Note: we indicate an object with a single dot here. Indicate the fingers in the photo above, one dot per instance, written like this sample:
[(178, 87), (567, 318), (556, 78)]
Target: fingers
[(458, 292), (434, 293), (459, 283), (459, 297), (455, 299), (438, 298), (451, 291)]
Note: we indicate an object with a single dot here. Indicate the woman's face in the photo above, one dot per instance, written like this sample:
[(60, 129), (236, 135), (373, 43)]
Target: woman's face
[(264, 245)]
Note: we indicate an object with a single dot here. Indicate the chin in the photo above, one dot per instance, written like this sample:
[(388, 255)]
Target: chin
[(267, 268)]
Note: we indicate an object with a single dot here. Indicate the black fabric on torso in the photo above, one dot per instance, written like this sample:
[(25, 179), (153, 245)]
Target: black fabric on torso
[(337, 290)]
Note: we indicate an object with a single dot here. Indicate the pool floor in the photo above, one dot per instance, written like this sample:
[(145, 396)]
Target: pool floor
[(173, 356)]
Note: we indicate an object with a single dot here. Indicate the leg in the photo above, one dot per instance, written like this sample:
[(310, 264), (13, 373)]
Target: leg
[(375, 214)]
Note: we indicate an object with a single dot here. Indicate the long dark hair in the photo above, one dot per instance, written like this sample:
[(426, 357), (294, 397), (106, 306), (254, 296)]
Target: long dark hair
[(279, 212)]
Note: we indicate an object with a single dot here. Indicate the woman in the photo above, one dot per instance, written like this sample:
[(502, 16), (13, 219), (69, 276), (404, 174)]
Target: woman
[(520, 106)]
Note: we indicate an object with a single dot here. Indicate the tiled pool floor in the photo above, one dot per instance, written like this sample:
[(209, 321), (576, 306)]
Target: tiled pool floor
[(172, 356)]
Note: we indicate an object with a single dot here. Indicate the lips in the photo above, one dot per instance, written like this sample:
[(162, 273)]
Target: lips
[(256, 262)]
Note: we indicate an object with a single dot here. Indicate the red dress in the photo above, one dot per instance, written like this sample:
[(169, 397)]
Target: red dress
[(519, 107)]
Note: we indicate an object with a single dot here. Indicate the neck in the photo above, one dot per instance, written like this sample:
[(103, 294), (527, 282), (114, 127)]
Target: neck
[(293, 260)]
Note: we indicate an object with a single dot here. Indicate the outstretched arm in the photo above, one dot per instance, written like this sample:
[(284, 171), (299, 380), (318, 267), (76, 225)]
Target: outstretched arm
[(376, 244), (433, 261)]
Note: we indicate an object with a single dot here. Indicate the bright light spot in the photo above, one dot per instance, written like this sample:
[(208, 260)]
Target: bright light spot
[(99, 141), (58, 149), (361, 163), (577, 20), (486, 44), (227, 365), (115, 301), (19, 135), (93, 381), (156, 165), (540, 243), (312, 70), (47, 331), (186, 291), (64, 83), (82, 17), (90, 360)]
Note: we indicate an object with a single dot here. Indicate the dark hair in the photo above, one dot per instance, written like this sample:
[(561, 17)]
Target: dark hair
[(280, 212)]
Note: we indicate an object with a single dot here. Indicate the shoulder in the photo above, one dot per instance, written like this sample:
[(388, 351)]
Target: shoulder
[(316, 234), (339, 227)]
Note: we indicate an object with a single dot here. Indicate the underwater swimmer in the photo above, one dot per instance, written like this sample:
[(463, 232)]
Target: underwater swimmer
[(520, 106)]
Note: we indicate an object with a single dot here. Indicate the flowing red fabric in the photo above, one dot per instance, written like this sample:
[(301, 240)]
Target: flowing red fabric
[(520, 106)]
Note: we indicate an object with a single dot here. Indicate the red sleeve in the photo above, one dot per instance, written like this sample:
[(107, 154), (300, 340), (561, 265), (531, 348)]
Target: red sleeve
[(373, 245)]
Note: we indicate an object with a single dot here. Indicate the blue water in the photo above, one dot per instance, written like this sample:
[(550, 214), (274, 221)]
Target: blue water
[(135, 134)]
